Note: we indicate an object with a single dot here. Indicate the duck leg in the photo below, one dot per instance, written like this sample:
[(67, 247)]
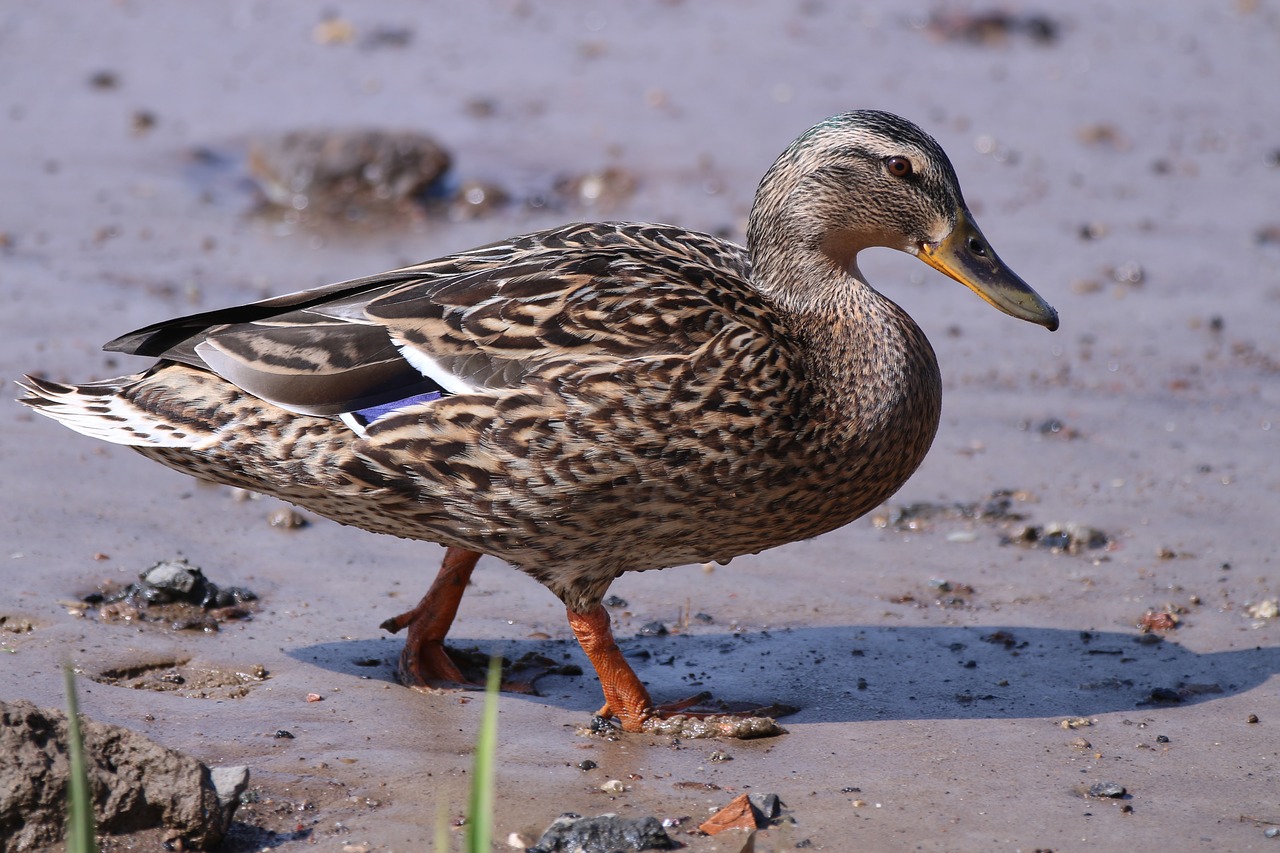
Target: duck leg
[(626, 698), (424, 661)]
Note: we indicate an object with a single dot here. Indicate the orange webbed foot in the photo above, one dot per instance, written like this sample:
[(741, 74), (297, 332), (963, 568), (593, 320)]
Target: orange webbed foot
[(627, 699)]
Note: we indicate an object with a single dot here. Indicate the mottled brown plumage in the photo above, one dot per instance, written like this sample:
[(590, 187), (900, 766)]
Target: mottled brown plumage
[(588, 400)]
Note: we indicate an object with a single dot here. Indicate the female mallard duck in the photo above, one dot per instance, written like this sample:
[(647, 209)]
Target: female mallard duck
[(588, 400)]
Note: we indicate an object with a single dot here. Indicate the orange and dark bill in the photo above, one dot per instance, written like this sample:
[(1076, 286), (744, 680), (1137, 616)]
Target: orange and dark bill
[(966, 256)]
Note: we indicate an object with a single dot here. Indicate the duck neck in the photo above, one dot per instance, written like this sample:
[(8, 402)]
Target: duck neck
[(867, 362)]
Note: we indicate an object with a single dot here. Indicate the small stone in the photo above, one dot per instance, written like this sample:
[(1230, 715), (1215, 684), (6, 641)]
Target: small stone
[(1107, 790), (1252, 718), (768, 805), (1272, 832), (1162, 738), (104, 79), (314, 697), (519, 841), (570, 832), (175, 576), (1266, 609), (613, 786), (286, 518), (283, 734), (587, 764), (230, 783), (652, 629)]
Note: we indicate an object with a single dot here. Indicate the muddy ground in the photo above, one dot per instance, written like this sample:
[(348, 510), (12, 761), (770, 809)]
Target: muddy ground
[(1124, 158)]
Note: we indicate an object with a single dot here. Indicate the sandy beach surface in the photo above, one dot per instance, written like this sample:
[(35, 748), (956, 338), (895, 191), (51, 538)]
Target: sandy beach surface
[(1123, 158)]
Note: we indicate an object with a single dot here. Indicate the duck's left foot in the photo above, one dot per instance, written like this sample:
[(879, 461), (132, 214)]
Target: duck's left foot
[(627, 699)]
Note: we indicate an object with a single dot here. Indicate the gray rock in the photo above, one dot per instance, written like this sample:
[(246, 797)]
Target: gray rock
[(607, 833), (136, 783), (176, 576), (1113, 790)]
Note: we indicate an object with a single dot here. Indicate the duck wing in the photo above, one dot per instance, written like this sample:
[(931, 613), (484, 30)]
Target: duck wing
[(476, 321)]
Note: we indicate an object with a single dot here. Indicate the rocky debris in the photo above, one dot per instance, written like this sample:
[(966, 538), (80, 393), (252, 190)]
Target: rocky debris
[(993, 27), (136, 784), (176, 592), (607, 833), (340, 173), (1062, 538), (996, 507), (1268, 608)]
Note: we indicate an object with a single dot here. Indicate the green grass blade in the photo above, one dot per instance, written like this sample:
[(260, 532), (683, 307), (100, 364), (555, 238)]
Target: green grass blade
[(80, 830), (480, 809), (442, 823)]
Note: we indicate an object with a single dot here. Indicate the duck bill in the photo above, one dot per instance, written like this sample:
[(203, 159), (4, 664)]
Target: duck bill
[(966, 256)]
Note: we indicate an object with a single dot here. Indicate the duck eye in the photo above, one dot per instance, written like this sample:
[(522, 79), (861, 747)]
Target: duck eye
[(899, 167)]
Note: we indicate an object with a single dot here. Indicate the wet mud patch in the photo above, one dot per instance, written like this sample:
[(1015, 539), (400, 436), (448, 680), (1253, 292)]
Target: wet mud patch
[(173, 595), (180, 676)]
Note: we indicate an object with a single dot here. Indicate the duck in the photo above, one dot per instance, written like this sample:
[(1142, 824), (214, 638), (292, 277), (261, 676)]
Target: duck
[(588, 400)]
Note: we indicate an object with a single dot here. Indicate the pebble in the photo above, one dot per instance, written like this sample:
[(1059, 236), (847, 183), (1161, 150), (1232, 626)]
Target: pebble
[(519, 841), (286, 518), (1112, 790), (607, 832), (1071, 538), (613, 786)]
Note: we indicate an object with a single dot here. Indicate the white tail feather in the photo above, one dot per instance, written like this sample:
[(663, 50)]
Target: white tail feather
[(105, 416)]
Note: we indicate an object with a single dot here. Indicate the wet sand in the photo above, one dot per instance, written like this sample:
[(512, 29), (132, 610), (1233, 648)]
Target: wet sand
[(1126, 167)]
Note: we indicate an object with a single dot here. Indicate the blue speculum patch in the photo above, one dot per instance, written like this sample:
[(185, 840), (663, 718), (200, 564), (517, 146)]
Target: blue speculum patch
[(374, 412)]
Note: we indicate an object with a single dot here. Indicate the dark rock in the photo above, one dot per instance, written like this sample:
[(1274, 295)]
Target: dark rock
[(1102, 790), (769, 805), (607, 833), (135, 783), (331, 171), (178, 582)]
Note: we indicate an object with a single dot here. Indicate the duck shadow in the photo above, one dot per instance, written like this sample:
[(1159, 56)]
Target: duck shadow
[(853, 674)]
